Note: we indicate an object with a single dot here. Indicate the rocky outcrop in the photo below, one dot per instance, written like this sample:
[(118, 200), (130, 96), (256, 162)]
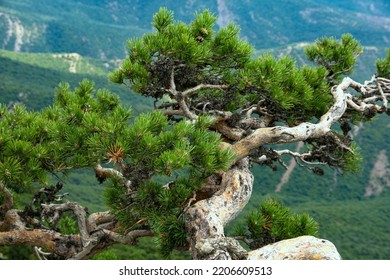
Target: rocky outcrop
[(300, 248), (16, 35), (72, 58), (379, 176)]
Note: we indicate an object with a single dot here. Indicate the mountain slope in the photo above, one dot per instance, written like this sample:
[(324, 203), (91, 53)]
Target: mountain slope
[(100, 28), (31, 78)]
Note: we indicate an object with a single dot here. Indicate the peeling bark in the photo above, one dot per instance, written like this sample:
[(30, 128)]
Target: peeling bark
[(62, 245), (207, 218)]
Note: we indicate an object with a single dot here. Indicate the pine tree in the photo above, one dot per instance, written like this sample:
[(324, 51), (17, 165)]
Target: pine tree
[(182, 172)]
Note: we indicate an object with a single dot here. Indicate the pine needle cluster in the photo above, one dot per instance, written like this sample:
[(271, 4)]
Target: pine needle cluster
[(292, 93), (58, 138), (338, 57), (273, 222), (166, 166), (196, 53), (383, 66), (166, 163)]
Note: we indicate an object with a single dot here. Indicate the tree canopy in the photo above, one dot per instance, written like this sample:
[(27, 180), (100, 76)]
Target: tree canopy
[(182, 172)]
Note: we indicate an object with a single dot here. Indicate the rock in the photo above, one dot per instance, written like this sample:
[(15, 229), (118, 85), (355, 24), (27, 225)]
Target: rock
[(220, 248), (300, 248)]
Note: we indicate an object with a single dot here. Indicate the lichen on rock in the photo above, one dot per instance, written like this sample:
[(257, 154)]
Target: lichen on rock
[(300, 248)]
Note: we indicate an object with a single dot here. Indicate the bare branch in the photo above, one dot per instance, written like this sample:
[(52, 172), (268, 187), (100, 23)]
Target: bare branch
[(244, 239), (102, 172), (97, 244), (231, 133), (8, 200), (182, 97), (383, 96), (373, 90), (87, 250), (60, 244), (252, 123), (99, 220), (130, 238), (250, 110), (172, 89), (363, 105), (301, 132), (299, 156), (375, 98), (12, 221), (40, 253), (290, 168), (165, 105), (55, 211), (202, 86), (220, 115), (181, 100), (173, 112)]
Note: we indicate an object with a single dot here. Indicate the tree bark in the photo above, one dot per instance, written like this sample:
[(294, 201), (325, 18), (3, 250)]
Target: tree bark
[(52, 241), (206, 219)]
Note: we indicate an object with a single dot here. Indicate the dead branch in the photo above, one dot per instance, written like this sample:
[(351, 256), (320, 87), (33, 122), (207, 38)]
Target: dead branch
[(54, 212), (189, 91), (303, 131), (8, 200), (57, 243)]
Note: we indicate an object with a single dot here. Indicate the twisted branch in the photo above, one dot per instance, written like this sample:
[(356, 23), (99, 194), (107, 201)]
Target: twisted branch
[(304, 131)]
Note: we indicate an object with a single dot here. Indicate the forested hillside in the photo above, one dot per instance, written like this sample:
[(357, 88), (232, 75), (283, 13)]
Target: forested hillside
[(48, 42), (100, 28)]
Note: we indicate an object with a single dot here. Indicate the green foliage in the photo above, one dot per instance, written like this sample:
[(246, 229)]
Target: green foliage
[(162, 19), (273, 222), (383, 65), (338, 57), (145, 249), (106, 255), (171, 233), (201, 54), (352, 160), (195, 54), (33, 144), (85, 127), (16, 252), (296, 94), (68, 225), (166, 165)]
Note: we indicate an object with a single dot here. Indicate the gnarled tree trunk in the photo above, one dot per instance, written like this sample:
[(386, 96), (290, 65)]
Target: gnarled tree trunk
[(206, 219)]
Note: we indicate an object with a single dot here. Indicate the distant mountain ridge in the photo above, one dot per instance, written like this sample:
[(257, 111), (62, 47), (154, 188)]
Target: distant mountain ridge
[(100, 29)]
